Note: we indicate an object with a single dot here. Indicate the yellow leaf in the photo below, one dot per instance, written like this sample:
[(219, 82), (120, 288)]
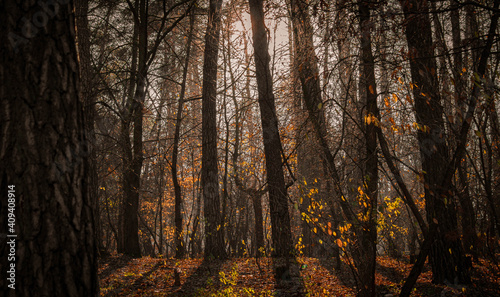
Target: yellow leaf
[(386, 102), (395, 97)]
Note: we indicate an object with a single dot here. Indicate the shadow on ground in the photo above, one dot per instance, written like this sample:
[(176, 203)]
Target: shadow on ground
[(344, 274), (114, 263), (206, 274), (136, 284), (289, 282)]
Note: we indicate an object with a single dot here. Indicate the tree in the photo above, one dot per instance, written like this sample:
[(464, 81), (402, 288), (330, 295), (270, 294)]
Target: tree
[(368, 90), (364, 224), (89, 99), (44, 159), (133, 149), (143, 52), (447, 255), (468, 220), (179, 245), (214, 236), (473, 34), (278, 199), (256, 191)]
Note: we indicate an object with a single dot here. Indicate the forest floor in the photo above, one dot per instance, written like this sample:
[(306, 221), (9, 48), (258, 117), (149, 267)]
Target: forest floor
[(122, 276)]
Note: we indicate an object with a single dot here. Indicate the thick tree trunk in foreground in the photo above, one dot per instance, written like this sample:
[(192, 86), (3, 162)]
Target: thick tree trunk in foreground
[(278, 200), (43, 152), (214, 237)]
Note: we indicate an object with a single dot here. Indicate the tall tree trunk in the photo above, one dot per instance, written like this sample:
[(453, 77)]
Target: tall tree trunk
[(348, 97), (179, 244), (254, 193), (366, 267), (308, 73), (214, 237), (495, 147), (227, 225), (89, 100), (132, 173), (447, 256), (307, 64), (278, 199), (304, 141), (467, 210), (125, 144), (50, 248), (241, 202)]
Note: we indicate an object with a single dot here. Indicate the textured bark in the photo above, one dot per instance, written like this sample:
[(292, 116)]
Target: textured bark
[(368, 240), (43, 152), (446, 256), (214, 237), (133, 154), (88, 98), (278, 199), (125, 143)]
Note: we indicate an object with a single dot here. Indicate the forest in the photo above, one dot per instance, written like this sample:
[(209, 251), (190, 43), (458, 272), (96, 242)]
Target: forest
[(249, 148)]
